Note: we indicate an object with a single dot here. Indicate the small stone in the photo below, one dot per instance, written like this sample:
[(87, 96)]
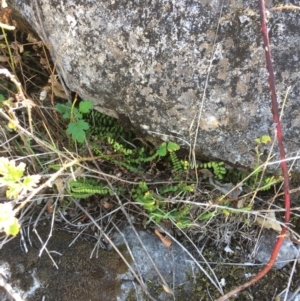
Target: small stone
[(287, 252)]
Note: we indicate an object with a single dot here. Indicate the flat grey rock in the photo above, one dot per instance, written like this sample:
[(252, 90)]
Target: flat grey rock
[(288, 250), (289, 296), (174, 264)]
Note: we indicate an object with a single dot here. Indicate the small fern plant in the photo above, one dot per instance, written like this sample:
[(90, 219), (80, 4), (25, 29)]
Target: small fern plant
[(156, 207), (132, 159), (171, 148), (218, 168), (84, 188), (103, 126)]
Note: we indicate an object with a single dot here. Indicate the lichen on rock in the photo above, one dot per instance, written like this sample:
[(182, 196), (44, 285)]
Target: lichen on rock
[(165, 64)]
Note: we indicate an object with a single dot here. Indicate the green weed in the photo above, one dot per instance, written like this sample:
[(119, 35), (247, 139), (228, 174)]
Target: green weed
[(77, 126)]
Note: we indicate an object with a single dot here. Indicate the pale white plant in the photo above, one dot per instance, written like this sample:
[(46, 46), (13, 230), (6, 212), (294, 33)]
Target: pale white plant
[(17, 186)]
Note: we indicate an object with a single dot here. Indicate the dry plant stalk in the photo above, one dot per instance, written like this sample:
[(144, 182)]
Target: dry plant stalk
[(278, 129)]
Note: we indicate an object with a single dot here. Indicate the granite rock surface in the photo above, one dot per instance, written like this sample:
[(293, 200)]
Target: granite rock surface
[(188, 71)]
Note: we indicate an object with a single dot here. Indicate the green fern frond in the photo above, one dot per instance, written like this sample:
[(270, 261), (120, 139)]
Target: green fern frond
[(176, 162), (146, 198), (183, 187), (183, 212), (172, 147), (185, 165), (217, 167), (167, 189), (178, 188), (118, 147), (87, 188), (157, 208), (269, 181), (104, 126), (97, 151)]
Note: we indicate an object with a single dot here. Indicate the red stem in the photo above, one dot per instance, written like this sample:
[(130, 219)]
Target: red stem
[(276, 119)]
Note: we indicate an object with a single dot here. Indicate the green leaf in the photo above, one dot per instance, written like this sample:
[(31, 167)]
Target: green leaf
[(55, 166), (150, 205), (257, 140), (264, 139), (13, 228), (30, 182), (26, 53), (172, 147), (189, 188), (226, 212), (184, 223), (76, 114), (162, 151), (248, 208), (11, 173), (257, 170), (77, 130), (14, 190), (12, 178), (207, 216), (64, 109), (85, 106), (8, 222), (68, 111), (143, 186)]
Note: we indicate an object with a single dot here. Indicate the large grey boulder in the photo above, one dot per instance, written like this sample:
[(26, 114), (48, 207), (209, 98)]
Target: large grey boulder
[(156, 62)]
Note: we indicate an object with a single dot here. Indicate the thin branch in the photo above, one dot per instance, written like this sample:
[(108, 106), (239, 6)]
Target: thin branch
[(283, 163)]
